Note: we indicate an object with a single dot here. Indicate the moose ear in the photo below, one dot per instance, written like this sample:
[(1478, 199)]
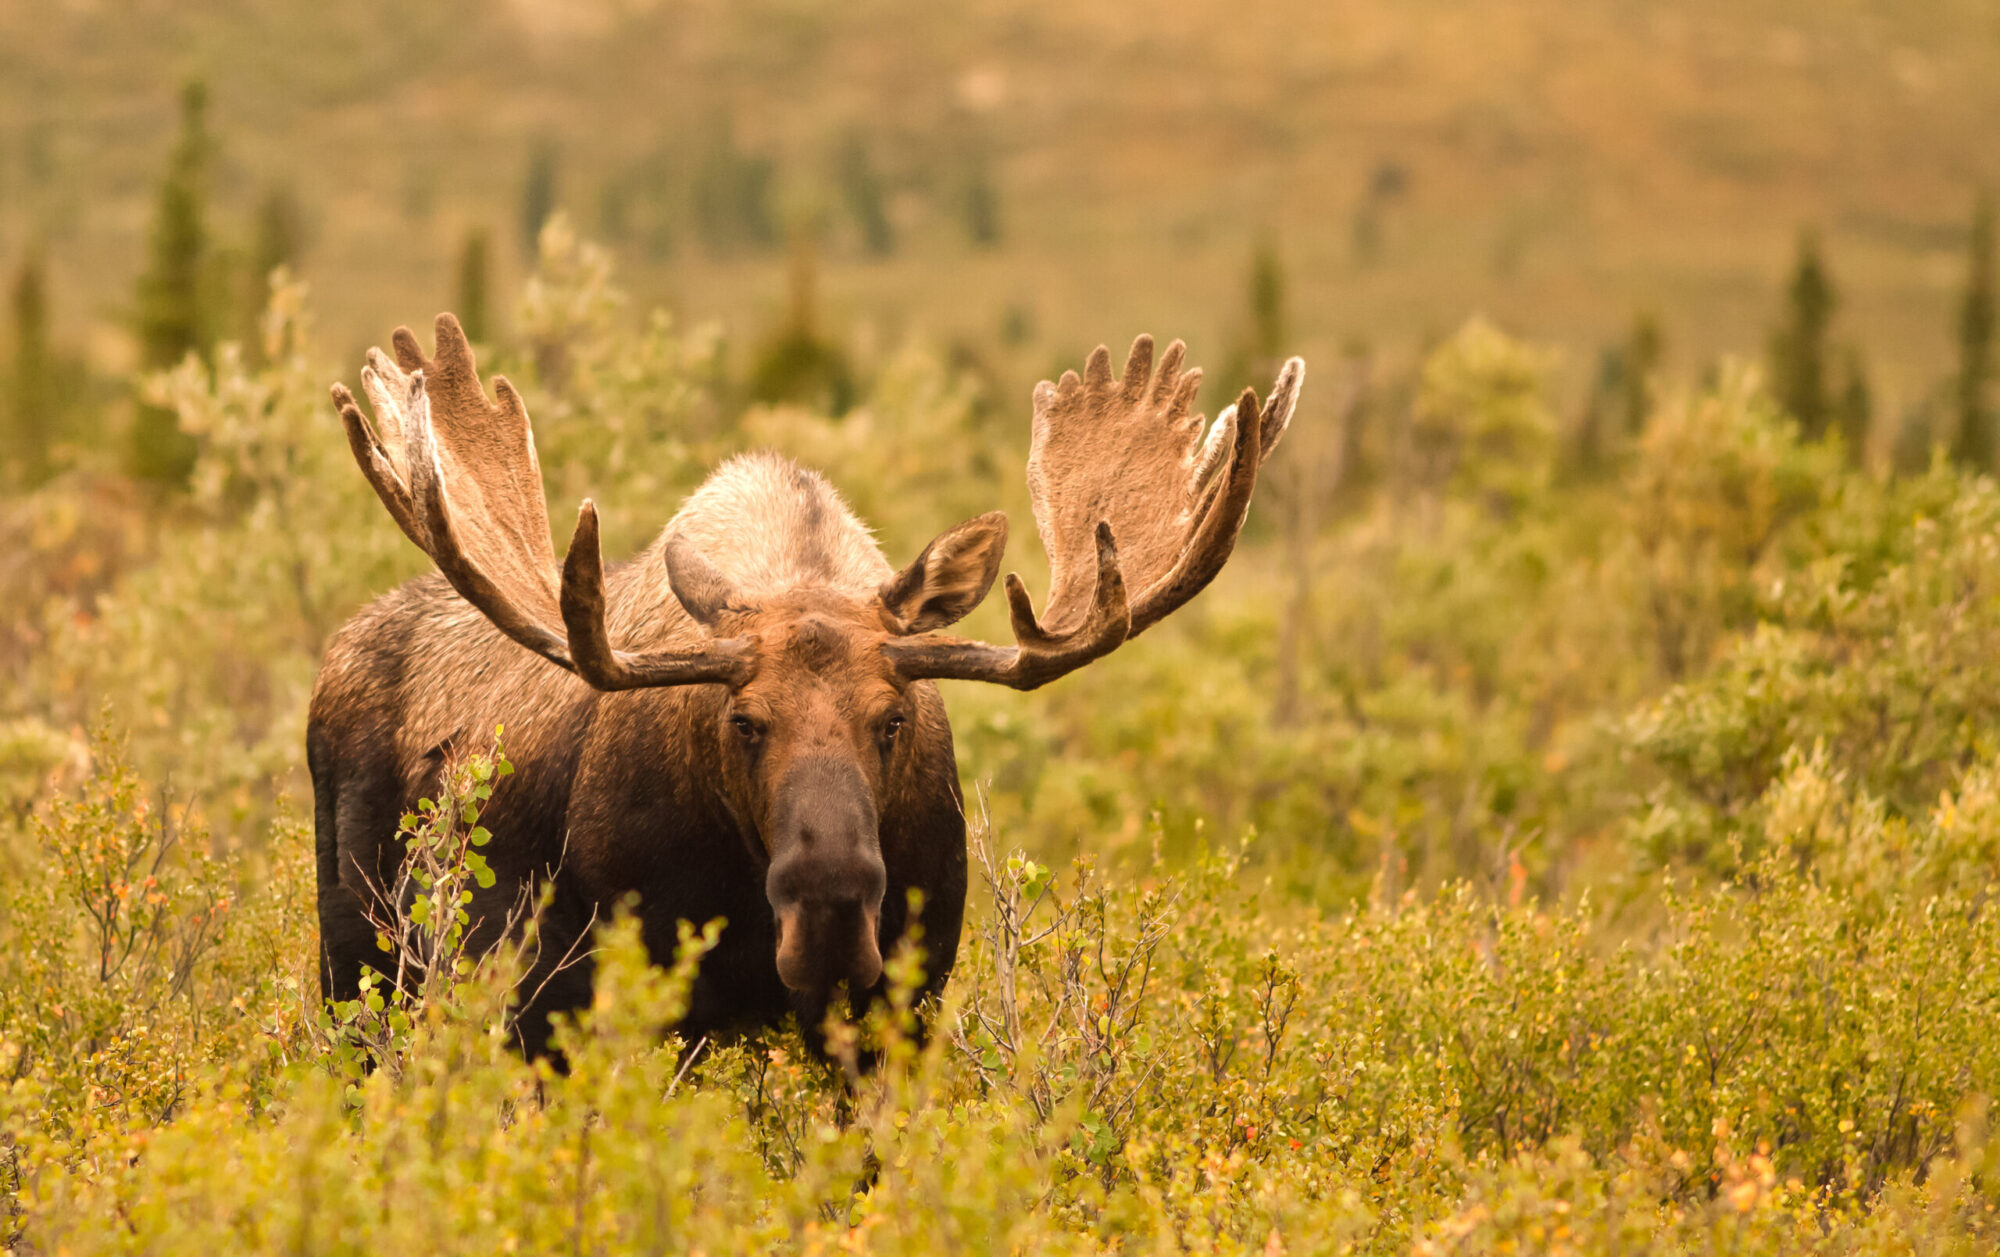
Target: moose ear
[(701, 587), (950, 577)]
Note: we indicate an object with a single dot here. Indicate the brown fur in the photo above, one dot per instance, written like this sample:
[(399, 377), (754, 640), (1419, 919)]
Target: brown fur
[(736, 723)]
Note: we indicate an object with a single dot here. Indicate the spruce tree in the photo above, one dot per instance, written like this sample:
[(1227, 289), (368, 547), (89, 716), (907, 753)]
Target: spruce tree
[(173, 317), (280, 233), (1267, 301), (474, 278), (1645, 346), (982, 206), (538, 196), (1609, 394), (1973, 440), (1799, 375), (861, 187), (798, 363), (1855, 407), (31, 400)]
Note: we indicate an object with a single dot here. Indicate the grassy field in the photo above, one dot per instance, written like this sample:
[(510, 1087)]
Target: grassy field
[(1524, 846)]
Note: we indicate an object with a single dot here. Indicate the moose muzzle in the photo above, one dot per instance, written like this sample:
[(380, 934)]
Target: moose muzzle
[(826, 880)]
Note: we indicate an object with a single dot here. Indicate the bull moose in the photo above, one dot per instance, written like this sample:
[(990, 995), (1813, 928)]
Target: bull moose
[(741, 721)]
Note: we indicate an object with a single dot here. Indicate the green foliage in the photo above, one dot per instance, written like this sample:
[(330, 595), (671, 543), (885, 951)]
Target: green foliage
[(1481, 424), (1620, 876), (429, 972)]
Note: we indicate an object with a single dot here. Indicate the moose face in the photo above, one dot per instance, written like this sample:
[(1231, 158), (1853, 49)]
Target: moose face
[(817, 740), (812, 745)]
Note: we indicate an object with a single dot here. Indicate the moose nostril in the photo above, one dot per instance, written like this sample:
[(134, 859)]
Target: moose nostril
[(825, 942)]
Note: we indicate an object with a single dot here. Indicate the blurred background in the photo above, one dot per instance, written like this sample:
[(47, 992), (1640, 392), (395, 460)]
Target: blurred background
[(1602, 299), (1022, 179)]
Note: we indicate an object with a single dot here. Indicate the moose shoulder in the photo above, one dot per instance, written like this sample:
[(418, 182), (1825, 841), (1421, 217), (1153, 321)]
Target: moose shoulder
[(740, 722)]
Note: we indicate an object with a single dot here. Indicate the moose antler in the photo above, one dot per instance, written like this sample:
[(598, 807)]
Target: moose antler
[(1129, 491), (459, 475)]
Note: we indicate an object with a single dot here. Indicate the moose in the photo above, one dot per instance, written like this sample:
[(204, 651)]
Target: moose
[(742, 721)]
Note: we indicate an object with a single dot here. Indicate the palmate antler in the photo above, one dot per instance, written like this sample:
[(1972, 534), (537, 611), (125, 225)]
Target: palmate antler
[(1130, 492), (459, 475)]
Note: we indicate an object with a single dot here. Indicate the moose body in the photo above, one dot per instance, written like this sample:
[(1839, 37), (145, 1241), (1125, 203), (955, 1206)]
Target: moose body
[(764, 744)]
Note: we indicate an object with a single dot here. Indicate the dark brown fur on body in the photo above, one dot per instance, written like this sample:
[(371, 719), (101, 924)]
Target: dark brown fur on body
[(636, 790), (741, 722)]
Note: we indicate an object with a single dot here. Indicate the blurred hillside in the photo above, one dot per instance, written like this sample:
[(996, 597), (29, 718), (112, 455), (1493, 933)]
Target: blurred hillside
[(1045, 175)]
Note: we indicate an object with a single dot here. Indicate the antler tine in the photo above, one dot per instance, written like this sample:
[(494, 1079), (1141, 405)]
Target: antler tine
[(1215, 539), (1037, 657), (606, 668), (459, 474), (378, 466), (1124, 455), (447, 549)]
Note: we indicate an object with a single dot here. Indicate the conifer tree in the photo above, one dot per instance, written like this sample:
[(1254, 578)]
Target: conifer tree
[(31, 376), (538, 196), (1855, 407), (280, 235), (1645, 346), (474, 281), (1973, 441), (982, 206), (1799, 375), (1267, 301), (797, 362), (173, 316), (861, 188)]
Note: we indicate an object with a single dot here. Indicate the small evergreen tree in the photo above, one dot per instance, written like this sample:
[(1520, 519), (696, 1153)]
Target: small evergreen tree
[(1973, 441), (174, 317), (731, 195), (867, 202), (474, 283), (1267, 302), (982, 206), (797, 363), (1645, 347), (1608, 393), (1799, 375), (31, 378), (280, 232), (1855, 407), (280, 235), (538, 195)]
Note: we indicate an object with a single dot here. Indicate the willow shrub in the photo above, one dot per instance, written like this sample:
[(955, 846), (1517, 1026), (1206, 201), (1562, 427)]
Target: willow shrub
[(1794, 1063)]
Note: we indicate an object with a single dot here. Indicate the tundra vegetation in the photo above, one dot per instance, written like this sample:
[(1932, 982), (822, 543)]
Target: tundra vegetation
[(1502, 855)]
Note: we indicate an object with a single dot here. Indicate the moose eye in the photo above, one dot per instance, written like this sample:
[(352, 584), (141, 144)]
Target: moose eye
[(890, 728), (746, 728)]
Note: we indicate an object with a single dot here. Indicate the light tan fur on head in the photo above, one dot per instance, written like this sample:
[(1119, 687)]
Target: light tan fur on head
[(769, 525)]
